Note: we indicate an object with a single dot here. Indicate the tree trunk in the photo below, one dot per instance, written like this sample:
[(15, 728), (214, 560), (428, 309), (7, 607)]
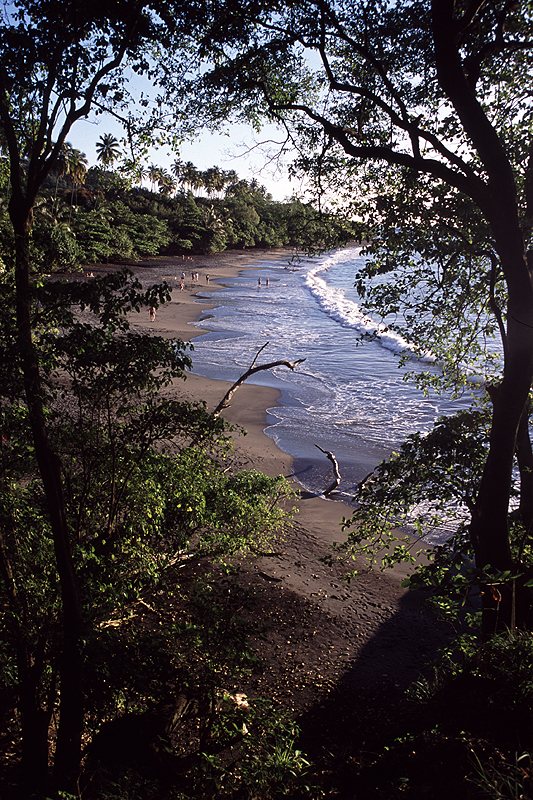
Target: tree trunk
[(35, 724), (490, 521), (35, 720), (496, 194), (68, 745), (524, 455)]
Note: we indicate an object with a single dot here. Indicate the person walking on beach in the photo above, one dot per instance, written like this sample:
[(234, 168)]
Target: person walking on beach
[(207, 278), (152, 314)]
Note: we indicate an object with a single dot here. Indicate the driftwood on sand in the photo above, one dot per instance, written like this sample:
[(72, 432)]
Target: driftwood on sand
[(336, 473), (224, 403)]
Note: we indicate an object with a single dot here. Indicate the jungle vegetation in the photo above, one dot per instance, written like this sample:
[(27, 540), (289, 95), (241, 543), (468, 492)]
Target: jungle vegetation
[(98, 215)]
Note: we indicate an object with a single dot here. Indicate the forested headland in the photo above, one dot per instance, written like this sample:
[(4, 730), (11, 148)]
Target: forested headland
[(99, 215)]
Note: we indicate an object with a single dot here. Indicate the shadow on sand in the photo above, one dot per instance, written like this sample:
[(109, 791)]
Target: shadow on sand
[(362, 712)]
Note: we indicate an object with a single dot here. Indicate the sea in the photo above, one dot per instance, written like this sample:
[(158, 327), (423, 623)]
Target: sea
[(349, 396)]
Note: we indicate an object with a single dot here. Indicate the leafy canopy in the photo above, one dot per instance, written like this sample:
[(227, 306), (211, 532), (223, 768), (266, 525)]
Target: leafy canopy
[(61, 61), (147, 484), (359, 91)]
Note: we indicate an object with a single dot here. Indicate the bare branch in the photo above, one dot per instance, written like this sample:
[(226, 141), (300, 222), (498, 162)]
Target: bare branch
[(336, 473), (225, 402)]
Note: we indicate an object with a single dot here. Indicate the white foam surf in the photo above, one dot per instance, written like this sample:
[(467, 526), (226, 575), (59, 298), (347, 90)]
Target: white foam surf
[(334, 302)]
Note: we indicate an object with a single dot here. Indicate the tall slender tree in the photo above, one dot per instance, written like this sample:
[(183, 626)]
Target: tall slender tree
[(154, 175), (107, 149), (58, 62), (166, 182), (176, 168), (190, 176), (61, 168), (76, 169)]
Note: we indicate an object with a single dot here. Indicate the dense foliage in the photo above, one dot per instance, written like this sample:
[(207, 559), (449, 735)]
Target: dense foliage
[(147, 486), (106, 219), (93, 503), (417, 111)]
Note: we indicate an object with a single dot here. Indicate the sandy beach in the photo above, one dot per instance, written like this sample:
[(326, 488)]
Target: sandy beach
[(352, 643), (249, 404)]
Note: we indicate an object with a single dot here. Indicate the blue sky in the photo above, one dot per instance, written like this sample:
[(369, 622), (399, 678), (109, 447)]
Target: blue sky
[(240, 150)]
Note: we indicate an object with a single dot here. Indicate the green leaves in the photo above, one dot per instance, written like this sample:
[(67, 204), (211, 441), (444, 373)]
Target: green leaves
[(146, 485), (433, 478), (443, 464)]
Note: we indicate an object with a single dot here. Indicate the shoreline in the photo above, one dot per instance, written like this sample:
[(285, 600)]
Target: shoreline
[(367, 633), (249, 406), (322, 517), (248, 412)]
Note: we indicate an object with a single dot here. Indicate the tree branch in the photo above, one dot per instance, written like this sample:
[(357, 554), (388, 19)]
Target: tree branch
[(336, 473), (472, 186), (494, 305), (225, 402)]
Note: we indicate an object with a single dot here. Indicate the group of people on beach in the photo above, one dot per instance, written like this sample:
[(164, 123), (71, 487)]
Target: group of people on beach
[(195, 277)]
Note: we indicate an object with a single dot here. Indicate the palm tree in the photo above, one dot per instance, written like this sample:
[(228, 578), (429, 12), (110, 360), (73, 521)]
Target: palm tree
[(107, 149), (61, 169), (191, 176), (76, 169), (154, 174), (166, 182), (177, 169), (230, 178), (213, 180), (207, 181)]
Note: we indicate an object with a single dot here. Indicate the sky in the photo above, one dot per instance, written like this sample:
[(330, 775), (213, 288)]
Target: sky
[(241, 150)]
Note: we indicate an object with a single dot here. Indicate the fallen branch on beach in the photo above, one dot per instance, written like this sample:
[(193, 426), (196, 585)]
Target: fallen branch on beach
[(225, 402), (336, 473)]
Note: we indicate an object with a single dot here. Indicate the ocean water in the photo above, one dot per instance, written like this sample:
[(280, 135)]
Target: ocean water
[(349, 396)]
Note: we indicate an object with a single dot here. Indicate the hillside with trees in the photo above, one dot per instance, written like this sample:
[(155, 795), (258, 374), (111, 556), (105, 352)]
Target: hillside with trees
[(89, 215)]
